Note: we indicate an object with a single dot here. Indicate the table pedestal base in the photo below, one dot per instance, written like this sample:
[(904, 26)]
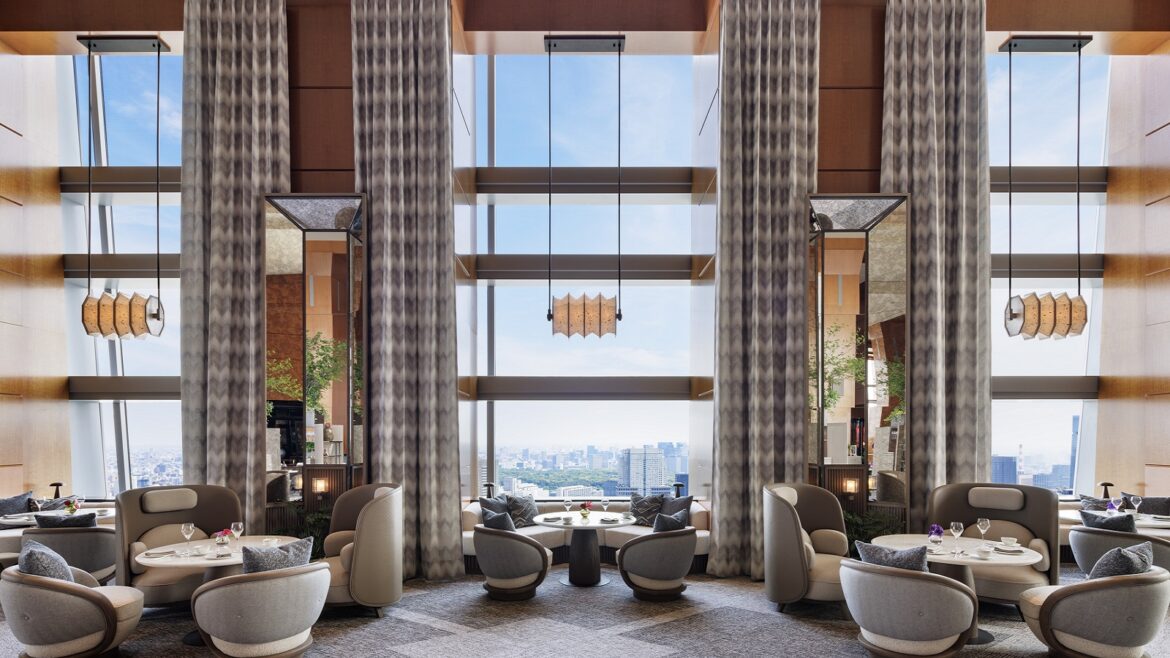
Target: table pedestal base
[(194, 639), (564, 580), (584, 559)]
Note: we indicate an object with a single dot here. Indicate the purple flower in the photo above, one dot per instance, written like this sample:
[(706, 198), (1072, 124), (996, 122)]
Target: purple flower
[(936, 530), (1111, 507)]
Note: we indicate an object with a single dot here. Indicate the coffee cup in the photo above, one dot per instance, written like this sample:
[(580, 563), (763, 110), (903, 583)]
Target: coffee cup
[(269, 542), (568, 520), (1009, 541), (983, 551)]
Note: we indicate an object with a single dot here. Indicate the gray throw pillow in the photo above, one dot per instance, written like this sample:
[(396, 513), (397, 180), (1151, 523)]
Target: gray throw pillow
[(74, 521), (645, 508), (523, 510), (913, 559), (1159, 505), (1124, 561), (498, 520), (36, 559), (1119, 522), (497, 504), (674, 505), (53, 504), (667, 522), (269, 558), (1091, 504), (18, 504)]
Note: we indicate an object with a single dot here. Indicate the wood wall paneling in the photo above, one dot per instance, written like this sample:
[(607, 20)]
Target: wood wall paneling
[(851, 60), (322, 56), (850, 130), (1078, 16), (852, 44)]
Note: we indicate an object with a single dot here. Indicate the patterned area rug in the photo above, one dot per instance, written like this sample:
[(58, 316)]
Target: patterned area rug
[(715, 617)]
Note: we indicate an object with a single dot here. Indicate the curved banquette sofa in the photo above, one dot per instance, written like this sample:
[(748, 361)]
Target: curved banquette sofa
[(608, 539)]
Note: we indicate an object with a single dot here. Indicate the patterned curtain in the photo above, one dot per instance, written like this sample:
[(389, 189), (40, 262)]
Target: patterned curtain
[(402, 86), (235, 148), (767, 169), (934, 146)]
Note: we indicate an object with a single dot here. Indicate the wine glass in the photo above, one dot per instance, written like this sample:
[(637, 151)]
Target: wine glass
[(984, 525), (935, 542), (568, 503), (956, 530), (188, 530), (39, 502), (1117, 501), (1136, 501), (604, 504), (237, 530)]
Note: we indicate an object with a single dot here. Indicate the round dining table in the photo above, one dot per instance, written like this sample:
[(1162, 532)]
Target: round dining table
[(946, 562), (202, 553), (584, 553), (1148, 521)]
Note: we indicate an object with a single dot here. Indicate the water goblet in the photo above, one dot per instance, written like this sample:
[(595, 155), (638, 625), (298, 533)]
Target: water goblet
[(39, 502), (984, 525), (188, 531), (935, 542), (1136, 501), (568, 503), (604, 504), (1117, 501), (237, 530), (956, 530)]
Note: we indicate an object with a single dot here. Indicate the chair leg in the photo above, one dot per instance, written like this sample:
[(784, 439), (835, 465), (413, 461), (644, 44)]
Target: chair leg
[(845, 611), (380, 612), (780, 607), (1020, 614)]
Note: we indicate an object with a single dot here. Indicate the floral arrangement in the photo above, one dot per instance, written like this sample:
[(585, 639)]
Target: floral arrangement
[(585, 508), (222, 536), (936, 530), (72, 505)]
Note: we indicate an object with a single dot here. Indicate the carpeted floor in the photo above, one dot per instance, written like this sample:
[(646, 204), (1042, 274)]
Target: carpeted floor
[(715, 617)]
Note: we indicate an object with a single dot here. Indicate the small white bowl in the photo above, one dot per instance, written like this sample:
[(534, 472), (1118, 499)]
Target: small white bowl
[(1010, 542)]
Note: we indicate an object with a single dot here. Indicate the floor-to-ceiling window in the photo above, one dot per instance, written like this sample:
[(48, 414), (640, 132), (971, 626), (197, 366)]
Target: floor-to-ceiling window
[(124, 409), (568, 417), (1044, 409)]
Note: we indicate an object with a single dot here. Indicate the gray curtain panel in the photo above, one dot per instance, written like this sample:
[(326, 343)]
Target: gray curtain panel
[(235, 148), (934, 146), (402, 88), (768, 164)]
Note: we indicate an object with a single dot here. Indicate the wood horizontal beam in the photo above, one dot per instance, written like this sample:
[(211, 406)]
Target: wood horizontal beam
[(1048, 266), (121, 266), (124, 388), (1078, 16), (1044, 388), (587, 267), (500, 182), (588, 388), (120, 185), (1050, 179)]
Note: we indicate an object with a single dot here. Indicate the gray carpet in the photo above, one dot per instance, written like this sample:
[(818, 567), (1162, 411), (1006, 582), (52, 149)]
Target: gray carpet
[(716, 617)]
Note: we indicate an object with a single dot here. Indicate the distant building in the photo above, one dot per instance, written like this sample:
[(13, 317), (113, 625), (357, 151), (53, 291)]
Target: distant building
[(641, 470), (1005, 469)]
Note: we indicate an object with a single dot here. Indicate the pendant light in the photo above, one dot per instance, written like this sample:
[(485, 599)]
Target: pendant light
[(121, 316), (586, 315), (1045, 315)]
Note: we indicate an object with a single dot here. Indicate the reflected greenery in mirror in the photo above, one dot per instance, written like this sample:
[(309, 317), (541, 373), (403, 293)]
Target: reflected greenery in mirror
[(325, 360)]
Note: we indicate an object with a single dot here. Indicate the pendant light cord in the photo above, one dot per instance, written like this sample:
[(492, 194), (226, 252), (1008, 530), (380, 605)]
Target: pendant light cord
[(619, 183), (1079, 48), (550, 297), (89, 171), (1010, 186), (157, 166)]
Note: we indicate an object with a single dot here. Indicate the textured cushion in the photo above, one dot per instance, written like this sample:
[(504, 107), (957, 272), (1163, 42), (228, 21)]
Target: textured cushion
[(523, 510), (913, 559), (1032, 600), (1119, 522), (826, 540), (1124, 561), (674, 505), (497, 504), (998, 498), (824, 578), (18, 504), (169, 500), (1005, 583), (36, 559), (1159, 505), (53, 504), (498, 520), (1092, 504), (73, 521), (292, 554), (645, 508), (667, 522)]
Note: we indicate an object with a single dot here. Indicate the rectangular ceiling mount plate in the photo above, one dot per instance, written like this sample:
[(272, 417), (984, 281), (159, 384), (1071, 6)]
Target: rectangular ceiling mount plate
[(585, 43), (123, 43), (1045, 43)]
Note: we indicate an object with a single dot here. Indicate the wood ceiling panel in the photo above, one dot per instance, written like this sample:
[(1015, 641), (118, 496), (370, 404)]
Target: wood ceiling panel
[(850, 129), (318, 46), (577, 16), (321, 128), (852, 44)]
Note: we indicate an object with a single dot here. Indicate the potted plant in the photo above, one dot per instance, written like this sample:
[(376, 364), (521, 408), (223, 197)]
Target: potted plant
[(585, 508)]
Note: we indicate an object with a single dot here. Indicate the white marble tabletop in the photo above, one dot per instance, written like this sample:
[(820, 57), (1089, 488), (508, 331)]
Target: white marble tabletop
[(576, 522), (203, 553), (968, 556)]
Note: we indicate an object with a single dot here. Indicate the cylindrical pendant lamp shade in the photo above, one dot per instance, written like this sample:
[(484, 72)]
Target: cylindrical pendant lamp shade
[(138, 316), (1079, 311), (106, 316), (1031, 315), (1063, 316), (122, 315), (89, 316), (1047, 315), (584, 315)]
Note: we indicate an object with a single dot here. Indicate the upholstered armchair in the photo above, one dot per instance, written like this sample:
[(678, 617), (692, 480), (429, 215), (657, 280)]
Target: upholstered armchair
[(58, 619), (1089, 544), (1116, 616), (908, 613), (513, 565), (1027, 513), (151, 517), (804, 542), (94, 550), (265, 614), (364, 547), (655, 565)]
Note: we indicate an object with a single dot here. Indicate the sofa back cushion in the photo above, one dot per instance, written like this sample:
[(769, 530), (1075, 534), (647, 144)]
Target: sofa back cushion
[(667, 522), (270, 558), (1118, 522), (1124, 561), (912, 559), (645, 508), (66, 521), (36, 559), (996, 498), (1159, 505), (169, 500), (498, 520)]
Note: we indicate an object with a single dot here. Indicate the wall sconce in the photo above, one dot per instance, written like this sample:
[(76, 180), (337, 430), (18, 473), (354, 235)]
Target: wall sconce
[(851, 485), (320, 486)]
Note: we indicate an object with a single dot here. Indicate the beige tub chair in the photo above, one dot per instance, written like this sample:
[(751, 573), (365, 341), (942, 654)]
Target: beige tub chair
[(94, 550), (1089, 544), (655, 565), (513, 565), (261, 615), (804, 543), (364, 547), (59, 619)]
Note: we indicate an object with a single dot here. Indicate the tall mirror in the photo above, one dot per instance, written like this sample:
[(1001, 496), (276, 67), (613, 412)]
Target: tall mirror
[(314, 285), (858, 306)]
